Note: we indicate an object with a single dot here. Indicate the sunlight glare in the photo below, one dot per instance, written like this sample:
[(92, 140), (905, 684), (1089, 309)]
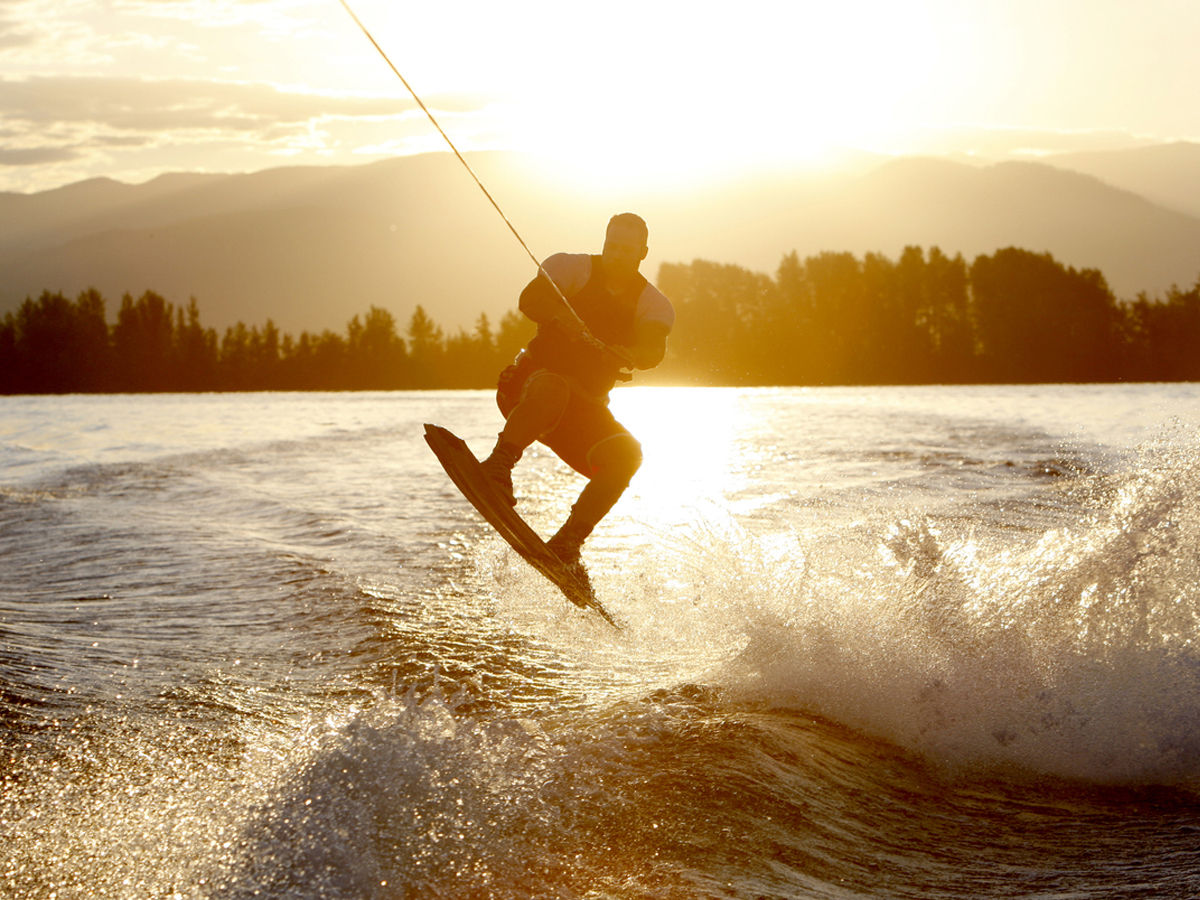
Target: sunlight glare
[(688, 440), (650, 99)]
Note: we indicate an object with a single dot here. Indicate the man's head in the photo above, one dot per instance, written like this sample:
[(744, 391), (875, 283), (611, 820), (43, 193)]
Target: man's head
[(624, 246)]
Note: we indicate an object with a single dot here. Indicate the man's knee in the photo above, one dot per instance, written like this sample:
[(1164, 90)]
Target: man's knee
[(543, 400), (616, 460), (547, 390)]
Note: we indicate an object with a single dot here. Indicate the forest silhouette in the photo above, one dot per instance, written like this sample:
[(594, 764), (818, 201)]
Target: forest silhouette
[(926, 318)]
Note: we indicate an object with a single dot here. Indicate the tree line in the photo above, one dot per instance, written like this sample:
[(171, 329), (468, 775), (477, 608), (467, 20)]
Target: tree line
[(1010, 317), (56, 345)]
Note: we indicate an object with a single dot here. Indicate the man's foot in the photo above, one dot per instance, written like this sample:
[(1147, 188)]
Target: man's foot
[(498, 469), (567, 548)]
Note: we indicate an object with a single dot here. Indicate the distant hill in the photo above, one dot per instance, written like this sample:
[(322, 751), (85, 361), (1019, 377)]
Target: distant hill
[(309, 247), (1166, 174), (1082, 221), (312, 246)]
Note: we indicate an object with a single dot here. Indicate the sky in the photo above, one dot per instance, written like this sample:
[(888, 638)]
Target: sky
[(614, 92)]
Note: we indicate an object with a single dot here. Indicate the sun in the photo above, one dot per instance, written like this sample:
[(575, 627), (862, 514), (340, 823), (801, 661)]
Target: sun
[(659, 96), (788, 85)]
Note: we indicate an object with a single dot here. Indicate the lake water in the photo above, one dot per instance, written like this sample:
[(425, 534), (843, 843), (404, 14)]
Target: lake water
[(881, 642)]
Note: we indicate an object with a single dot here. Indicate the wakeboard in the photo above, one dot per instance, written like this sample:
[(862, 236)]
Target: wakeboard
[(467, 474)]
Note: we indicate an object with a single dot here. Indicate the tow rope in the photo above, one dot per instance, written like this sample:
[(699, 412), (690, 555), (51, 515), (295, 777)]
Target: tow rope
[(588, 336)]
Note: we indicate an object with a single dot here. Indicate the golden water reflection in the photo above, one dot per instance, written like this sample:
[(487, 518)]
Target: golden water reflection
[(689, 439)]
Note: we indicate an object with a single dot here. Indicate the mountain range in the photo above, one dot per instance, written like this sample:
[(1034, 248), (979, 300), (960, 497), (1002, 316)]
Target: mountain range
[(310, 247)]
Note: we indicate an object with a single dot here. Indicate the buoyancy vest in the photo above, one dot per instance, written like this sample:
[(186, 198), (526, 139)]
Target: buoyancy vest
[(610, 317)]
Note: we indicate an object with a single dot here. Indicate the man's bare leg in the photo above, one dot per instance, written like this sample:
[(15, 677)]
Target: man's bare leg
[(614, 462), (539, 410)]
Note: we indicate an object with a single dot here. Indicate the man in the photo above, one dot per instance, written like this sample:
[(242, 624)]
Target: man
[(557, 390)]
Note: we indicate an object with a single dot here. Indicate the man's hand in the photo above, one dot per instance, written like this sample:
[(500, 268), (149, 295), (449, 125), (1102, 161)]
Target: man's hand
[(570, 324), (574, 328), (649, 347)]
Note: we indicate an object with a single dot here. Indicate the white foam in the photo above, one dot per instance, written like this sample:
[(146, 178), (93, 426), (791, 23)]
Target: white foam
[(1073, 655)]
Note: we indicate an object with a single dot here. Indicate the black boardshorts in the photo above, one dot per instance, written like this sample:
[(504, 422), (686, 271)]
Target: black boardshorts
[(584, 423)]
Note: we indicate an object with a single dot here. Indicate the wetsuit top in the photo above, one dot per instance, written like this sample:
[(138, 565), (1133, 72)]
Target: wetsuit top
[(610, 317)]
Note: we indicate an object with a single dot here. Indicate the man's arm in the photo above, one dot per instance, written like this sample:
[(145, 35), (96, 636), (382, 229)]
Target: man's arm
[(542, 302), (649, 344), (651, 325)]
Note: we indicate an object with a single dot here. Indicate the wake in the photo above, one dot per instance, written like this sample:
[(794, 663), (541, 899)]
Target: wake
[(1071, 654)]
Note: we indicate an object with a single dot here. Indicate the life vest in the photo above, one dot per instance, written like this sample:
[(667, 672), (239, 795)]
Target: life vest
[(610, 317)]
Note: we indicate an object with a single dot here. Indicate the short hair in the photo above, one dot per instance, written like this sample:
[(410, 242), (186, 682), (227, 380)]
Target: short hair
[(632, 221)]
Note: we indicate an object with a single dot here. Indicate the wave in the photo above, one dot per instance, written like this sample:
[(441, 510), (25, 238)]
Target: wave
[(677, 794), (1072, 654)]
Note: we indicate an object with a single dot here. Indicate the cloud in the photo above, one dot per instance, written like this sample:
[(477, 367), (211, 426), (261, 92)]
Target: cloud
[(14, 27), (997, 142), (48, 34), (156, 105), (141, 104), (272, 20), (57, 128), (215, 13), (121, 140), (14, 36), (36, 156)]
